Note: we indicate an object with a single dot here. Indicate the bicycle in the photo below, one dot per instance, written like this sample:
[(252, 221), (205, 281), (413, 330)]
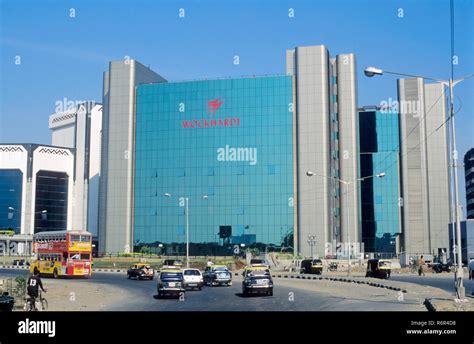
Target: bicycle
[(32, 303)]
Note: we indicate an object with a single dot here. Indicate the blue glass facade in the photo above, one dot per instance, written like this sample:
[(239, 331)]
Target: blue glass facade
[(230, 140), (51, 196), (11, 188), (379, 152)]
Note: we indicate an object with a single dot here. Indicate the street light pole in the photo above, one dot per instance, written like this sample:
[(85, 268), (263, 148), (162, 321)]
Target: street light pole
[(461, 292), (347, 183), (459, 272), (42, 212), (186, 213), (187, 232), (348, 231), (311, 243)]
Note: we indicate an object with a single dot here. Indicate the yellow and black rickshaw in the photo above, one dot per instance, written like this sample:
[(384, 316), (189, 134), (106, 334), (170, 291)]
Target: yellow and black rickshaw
[(311, 266), (379, 268)]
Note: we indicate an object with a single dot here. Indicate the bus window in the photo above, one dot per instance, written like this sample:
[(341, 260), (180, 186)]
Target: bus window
[(75, 256), (75, 238), (85, 238), (85, 256)]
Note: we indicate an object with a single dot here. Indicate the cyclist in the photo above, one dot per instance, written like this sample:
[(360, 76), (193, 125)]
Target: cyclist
[(33, 285)]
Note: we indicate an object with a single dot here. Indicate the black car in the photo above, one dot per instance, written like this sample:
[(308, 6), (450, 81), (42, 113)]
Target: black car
[(257, 281), (6, 302)]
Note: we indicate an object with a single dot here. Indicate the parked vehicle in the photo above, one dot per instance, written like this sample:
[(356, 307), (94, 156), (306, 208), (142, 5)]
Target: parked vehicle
[(332, 266), (471, 269), (172, 263), (193, 279), (141, 271), (311, 266), (378, 268), (170, 282), (259, 262), (217, 275), (6, 302), (257, 280), (440, 267), (20, 262)]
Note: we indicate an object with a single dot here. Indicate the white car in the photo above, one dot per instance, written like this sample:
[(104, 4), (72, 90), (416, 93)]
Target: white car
[(192, 279)]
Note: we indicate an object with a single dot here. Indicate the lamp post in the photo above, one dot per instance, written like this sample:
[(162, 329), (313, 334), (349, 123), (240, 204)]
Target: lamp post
[(186, 211), (43, 214), (311, 242), (346, 183), (372, 71)]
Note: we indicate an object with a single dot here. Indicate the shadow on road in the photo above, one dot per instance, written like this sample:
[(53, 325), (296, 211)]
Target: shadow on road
[(165, 297), (251, 295)]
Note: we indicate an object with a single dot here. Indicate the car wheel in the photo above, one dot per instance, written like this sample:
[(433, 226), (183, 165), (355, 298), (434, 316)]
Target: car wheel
[(245, 292), (55, 273), (229, 284), (128, 276), (270, 292), (199, 288)]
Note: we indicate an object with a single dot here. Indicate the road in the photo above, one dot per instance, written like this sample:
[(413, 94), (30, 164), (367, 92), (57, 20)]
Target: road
[(288, 296), (443, 281)]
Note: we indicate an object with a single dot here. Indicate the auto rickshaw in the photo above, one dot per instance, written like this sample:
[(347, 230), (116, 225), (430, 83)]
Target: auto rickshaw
[(378, 268)]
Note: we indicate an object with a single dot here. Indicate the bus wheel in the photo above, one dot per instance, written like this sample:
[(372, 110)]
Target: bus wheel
[(55, 273)]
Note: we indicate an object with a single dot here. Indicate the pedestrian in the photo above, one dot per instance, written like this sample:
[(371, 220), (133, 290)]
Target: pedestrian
[(421, 262)]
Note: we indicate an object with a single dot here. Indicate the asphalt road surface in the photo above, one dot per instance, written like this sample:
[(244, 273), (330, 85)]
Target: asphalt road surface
[(443, 281), (141, 296)]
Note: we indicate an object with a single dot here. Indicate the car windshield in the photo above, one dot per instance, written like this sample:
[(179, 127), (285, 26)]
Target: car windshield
[(221, 269), (266, 276), (192, 273), (259, 273), (171, 275), (317, 261)]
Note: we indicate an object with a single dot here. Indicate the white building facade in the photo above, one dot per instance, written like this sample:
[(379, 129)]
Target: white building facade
[(36, 182), (80, 128)]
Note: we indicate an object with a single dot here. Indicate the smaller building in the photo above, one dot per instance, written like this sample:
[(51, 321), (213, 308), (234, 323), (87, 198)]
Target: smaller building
[(469, 175), (379, 152), (467, 240), (35, 188), (80, 128)]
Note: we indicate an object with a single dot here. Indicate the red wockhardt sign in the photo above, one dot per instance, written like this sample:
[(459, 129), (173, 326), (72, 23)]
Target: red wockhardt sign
[(212, 106), (210, 123)]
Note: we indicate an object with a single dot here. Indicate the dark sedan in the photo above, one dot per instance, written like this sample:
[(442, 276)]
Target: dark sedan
[(141, 271)]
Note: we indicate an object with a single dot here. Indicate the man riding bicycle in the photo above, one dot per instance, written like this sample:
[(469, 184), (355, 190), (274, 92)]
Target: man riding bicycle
[(33, 285)]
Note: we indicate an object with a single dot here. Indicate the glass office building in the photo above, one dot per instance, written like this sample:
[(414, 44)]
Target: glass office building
[(11, 185), (379, 152), (227, 146), (51, 198)]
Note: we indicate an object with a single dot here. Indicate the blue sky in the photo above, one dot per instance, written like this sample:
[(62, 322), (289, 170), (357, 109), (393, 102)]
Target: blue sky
[(64, 57)]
